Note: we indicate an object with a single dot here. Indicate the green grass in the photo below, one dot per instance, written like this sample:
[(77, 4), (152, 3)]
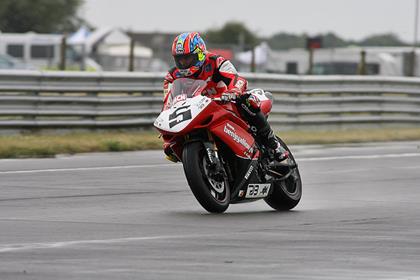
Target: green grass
[(48, 145), (35, 145)]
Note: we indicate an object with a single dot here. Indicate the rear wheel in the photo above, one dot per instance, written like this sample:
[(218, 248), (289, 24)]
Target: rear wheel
[(287, 193), (213, 194)]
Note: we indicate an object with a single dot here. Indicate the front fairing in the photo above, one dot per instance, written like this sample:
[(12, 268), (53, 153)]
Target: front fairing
[(182, 115)]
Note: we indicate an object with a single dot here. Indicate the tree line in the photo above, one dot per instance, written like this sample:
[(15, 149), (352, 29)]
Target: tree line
[(237, 33), (42, 16)]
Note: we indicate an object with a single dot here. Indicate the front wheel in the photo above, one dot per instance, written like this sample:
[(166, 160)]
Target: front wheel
[(212, 194), (287, 193)]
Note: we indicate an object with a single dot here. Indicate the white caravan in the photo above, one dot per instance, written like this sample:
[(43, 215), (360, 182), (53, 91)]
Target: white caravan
[(40, 50)]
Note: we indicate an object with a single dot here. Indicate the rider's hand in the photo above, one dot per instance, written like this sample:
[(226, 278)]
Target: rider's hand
[(228, 96)]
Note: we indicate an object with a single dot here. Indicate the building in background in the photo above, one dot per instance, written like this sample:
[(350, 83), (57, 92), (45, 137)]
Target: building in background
[(108, 49), (105, 49), (160, 43), (385, 61)]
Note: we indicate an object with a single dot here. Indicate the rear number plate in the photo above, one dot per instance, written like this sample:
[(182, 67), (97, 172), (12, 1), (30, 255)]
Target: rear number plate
[(257, 190)]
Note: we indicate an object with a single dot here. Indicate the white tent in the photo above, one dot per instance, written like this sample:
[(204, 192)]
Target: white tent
[(261, 55), (124, 50), (79, 37), (109, 46)]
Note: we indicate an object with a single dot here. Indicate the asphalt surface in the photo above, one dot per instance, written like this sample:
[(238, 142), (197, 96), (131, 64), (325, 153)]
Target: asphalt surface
[(132, 216)]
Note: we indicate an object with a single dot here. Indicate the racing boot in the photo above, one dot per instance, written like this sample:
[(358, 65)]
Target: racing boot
[(267, 136), (269, 140), (256, 119)]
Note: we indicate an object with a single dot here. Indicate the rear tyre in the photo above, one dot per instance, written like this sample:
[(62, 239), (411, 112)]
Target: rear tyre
[(286, 194), (212, 194)]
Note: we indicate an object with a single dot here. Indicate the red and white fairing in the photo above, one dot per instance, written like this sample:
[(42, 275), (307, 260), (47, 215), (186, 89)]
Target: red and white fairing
[(185, 112), (181, 114)]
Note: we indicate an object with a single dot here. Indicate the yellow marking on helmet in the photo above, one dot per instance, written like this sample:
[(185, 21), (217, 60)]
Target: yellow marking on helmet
[(201, 55)]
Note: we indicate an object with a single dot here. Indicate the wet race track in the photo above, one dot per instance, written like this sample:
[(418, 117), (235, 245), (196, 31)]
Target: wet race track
[(132, 216)]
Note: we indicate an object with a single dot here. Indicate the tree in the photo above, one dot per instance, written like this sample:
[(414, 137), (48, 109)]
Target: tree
[(283, 41), (388, 39), (43, 16), (330, 40), (235, 33)]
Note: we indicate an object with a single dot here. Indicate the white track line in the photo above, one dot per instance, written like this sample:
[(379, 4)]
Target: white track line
[(379, 156), (49, 245), (360, 157), (87, 168)]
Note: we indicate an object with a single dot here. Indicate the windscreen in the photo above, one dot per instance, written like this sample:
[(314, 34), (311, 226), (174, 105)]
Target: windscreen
[(184, 88)]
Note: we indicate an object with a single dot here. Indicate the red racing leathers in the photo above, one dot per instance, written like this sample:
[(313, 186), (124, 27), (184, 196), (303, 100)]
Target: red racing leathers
[(222, 78), (220, 74)]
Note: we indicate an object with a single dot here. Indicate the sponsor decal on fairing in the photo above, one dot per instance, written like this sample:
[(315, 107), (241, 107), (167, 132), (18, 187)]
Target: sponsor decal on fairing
[(230, 130), (246, 109), (178, 98), (248, 173)]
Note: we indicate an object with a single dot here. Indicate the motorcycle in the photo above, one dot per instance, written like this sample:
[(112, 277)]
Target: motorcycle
[(223, 158)]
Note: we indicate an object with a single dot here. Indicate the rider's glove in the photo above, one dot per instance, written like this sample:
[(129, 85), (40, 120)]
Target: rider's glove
[(228, 96)]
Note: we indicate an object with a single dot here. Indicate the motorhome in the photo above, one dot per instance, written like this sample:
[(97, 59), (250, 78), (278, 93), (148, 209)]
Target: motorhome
[(40, 50)]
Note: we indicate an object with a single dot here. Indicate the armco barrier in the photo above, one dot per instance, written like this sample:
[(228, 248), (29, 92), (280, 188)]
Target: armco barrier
[(40, 100)]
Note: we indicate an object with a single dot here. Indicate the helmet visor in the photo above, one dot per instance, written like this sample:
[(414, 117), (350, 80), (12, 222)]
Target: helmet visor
[(185, 61)]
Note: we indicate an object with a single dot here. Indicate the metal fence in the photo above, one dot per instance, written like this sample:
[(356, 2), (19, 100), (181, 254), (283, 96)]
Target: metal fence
[(70, 100)]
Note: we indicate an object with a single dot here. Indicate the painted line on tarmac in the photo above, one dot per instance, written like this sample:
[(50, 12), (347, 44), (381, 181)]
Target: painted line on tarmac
[(87, 168), (360, 157), (51, 245), (379, 156)]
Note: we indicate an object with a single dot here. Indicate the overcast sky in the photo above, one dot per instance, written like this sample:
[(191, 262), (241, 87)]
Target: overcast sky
[(350, 19)]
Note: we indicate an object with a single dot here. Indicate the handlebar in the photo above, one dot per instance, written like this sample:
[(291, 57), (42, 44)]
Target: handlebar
[(243, 96), (221, 100)]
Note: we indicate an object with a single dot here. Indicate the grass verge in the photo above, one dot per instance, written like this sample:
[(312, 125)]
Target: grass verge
[(48, 145)]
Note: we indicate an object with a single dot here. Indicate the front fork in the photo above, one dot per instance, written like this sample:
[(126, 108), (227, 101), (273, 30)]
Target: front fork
[(219, 169), (216, 168)]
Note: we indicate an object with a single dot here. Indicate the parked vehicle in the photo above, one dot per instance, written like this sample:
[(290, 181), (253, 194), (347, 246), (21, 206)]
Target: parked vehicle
[(8, 62), (40, 50)]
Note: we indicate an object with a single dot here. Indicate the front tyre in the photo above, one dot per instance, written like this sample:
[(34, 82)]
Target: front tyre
[(212, 194), (287, 193)]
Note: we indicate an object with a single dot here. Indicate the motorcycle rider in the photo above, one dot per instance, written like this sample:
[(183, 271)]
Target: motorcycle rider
[(193, 61)]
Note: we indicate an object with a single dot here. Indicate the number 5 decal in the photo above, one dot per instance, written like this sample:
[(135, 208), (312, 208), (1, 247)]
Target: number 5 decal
[(180, 115)]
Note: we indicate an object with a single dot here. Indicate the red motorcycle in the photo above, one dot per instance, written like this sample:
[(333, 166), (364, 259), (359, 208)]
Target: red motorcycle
[(223, 158)]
